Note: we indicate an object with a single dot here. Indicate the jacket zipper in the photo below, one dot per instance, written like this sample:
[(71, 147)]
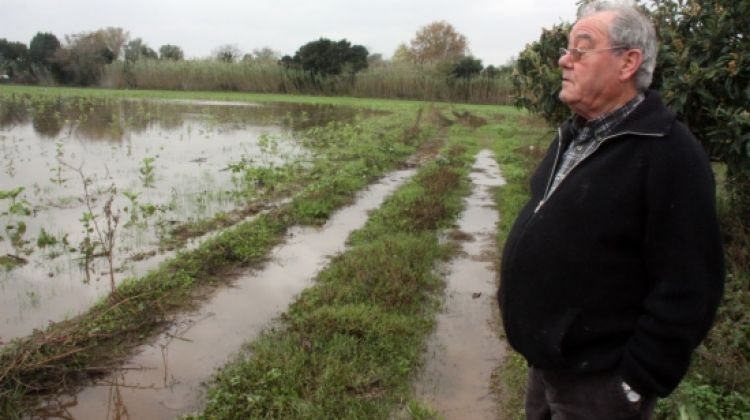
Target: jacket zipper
[(553, 172)]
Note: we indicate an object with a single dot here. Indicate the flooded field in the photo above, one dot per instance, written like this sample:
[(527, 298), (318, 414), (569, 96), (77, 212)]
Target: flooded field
[(85, 179), (166, 378)]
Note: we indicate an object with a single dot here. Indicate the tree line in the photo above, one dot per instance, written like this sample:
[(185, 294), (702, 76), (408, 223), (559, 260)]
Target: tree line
[(86, 58)]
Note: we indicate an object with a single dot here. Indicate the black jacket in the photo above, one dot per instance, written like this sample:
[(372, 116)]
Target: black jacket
[(621, 267)]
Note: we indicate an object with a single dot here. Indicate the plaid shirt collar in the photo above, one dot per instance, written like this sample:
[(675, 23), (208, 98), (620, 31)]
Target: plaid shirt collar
[(584, 131)]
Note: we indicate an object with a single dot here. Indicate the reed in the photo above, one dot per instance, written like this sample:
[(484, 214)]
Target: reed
[(388, 81)]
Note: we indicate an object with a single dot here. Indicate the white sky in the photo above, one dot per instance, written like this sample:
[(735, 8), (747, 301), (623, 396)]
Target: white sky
[(496, 29)]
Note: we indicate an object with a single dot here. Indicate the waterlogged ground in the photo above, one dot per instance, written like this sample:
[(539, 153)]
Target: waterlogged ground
[(162, 164), (166, 378), (465, 348)]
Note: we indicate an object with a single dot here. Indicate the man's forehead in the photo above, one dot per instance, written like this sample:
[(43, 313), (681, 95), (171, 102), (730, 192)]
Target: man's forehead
[(592, 27)]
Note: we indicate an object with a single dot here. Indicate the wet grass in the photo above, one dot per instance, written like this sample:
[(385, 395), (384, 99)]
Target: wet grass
[(68, 352), (350, 345)]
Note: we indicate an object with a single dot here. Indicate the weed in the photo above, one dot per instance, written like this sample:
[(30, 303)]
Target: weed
[(147, 172)]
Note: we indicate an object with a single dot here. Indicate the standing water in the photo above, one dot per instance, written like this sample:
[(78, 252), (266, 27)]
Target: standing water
[(163, 163), (465, 348), (166, 378)]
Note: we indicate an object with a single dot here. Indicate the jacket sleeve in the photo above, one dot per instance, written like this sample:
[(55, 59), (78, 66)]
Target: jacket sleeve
[(683, 261)]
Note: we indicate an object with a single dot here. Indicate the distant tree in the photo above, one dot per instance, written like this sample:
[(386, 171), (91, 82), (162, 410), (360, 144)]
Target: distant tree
[(11, 50), (171, 52), (466, 68), (42, 48), (227, 53), (403, 54), (13, 57), (114, 39), (375, 60), (136, 50), (265, 55), (491, 71), (434, 43), (328, 57), (85, 54)]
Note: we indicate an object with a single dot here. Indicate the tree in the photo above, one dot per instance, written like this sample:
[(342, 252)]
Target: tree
[(13, 57), (466, 68), (136, 50), (43, 47), (703, 72), (170, 52), (434, 43), (262, 55), (84, 55), (42, 50), (326, 57), (227, 53)]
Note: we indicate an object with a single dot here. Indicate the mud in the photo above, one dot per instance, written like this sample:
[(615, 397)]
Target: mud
[(166, 378), (465, 347)]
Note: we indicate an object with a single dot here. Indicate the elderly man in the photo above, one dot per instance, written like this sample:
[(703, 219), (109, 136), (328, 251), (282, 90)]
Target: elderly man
[(613, 271)]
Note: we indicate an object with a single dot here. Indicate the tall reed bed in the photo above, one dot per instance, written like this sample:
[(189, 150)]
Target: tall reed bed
[(391, 81)]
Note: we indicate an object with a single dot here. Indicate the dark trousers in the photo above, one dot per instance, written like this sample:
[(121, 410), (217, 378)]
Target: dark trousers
[(565, 396)]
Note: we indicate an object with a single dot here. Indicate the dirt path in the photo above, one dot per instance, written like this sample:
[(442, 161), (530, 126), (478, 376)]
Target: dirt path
[(465, 347), (165, 379)]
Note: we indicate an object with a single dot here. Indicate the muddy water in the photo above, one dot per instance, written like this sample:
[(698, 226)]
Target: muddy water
[(165, 379), (465, 347), (172, 156)]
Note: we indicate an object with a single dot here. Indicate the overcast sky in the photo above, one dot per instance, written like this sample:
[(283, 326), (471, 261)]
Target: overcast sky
[(496, 29)]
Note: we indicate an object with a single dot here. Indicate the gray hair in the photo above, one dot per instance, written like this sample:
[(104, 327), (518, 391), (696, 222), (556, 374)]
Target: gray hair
[(630, 28)]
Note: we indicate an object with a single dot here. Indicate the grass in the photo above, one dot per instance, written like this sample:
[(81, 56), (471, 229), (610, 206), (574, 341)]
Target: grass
[(67, 352), (350, 345)]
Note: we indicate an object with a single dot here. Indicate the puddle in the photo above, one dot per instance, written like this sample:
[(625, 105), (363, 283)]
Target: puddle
[(166, 378), (168, 161), (465, 348)]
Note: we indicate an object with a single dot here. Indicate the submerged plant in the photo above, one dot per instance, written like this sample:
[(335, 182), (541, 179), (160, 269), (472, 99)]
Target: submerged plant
[(16, 207), (148, 175)]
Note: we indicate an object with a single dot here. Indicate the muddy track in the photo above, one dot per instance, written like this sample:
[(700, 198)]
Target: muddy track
[(465, 348)]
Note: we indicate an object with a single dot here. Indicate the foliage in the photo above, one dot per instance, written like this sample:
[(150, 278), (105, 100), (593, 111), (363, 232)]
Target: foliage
[(466, 68), (704, 74), (434, 43), (13, 57), (84, 55), (537, 76), (326, 57), (171, 52), (137, 50), (42, 50)]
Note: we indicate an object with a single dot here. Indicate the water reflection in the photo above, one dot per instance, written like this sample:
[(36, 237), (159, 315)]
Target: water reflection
[(110, 120), (163, 163)]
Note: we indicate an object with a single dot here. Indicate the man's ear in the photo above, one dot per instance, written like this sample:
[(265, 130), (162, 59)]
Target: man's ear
[(631, 62)]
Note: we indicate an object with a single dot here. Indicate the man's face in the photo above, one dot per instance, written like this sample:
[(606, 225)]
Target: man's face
[(591, 83)]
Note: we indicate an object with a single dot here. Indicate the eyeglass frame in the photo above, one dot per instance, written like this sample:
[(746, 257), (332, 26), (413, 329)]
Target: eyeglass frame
[(577, 53)]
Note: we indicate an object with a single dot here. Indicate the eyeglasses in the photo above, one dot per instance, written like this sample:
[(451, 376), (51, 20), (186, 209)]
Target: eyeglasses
[(577, 53)]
